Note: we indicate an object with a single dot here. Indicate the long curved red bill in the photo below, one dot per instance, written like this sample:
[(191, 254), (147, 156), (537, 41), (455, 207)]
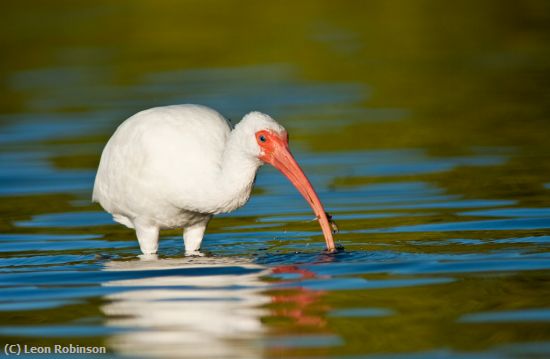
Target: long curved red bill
[(279, 156)]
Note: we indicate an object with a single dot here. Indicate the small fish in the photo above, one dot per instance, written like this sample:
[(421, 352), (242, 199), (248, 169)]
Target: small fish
[(332, 223)]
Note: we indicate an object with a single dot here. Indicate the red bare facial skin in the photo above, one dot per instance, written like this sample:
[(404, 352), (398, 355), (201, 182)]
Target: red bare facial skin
[(275, 151)]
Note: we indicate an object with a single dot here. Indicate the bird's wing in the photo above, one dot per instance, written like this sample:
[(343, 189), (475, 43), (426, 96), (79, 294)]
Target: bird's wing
[(161, 154)]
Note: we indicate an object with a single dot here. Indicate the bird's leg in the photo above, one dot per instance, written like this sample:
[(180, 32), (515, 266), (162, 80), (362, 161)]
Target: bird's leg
[(148, 237), (192, 237)]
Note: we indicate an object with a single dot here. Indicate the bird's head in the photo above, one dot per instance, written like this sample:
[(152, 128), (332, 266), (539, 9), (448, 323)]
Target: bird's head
[(268, 142)]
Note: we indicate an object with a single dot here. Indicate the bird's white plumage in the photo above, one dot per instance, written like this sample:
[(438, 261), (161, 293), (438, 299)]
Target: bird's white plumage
[(176, 166)]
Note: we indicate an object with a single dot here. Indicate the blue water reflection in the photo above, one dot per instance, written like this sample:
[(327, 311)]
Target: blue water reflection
[(266, 273)]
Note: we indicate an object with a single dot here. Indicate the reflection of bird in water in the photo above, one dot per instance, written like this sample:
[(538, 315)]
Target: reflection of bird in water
[(194, 308), (205, 307), (176, 166)]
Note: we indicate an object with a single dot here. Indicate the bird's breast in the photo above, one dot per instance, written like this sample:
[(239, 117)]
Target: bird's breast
[(178, 218)]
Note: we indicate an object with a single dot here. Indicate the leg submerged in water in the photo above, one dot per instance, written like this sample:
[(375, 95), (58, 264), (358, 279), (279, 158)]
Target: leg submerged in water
[(192, 237), (148, 237)]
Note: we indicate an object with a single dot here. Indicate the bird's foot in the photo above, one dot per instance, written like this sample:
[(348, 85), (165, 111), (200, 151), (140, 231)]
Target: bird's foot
[(148, 257), (194, 254)]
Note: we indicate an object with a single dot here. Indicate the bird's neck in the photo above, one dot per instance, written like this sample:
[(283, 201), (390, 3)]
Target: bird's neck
[(238, 171)]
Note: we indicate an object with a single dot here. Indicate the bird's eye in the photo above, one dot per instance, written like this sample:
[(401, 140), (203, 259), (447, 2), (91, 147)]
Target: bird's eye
[(262, 138)]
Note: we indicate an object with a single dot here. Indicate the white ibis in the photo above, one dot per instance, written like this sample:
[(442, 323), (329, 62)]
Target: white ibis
[(176, 166)]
